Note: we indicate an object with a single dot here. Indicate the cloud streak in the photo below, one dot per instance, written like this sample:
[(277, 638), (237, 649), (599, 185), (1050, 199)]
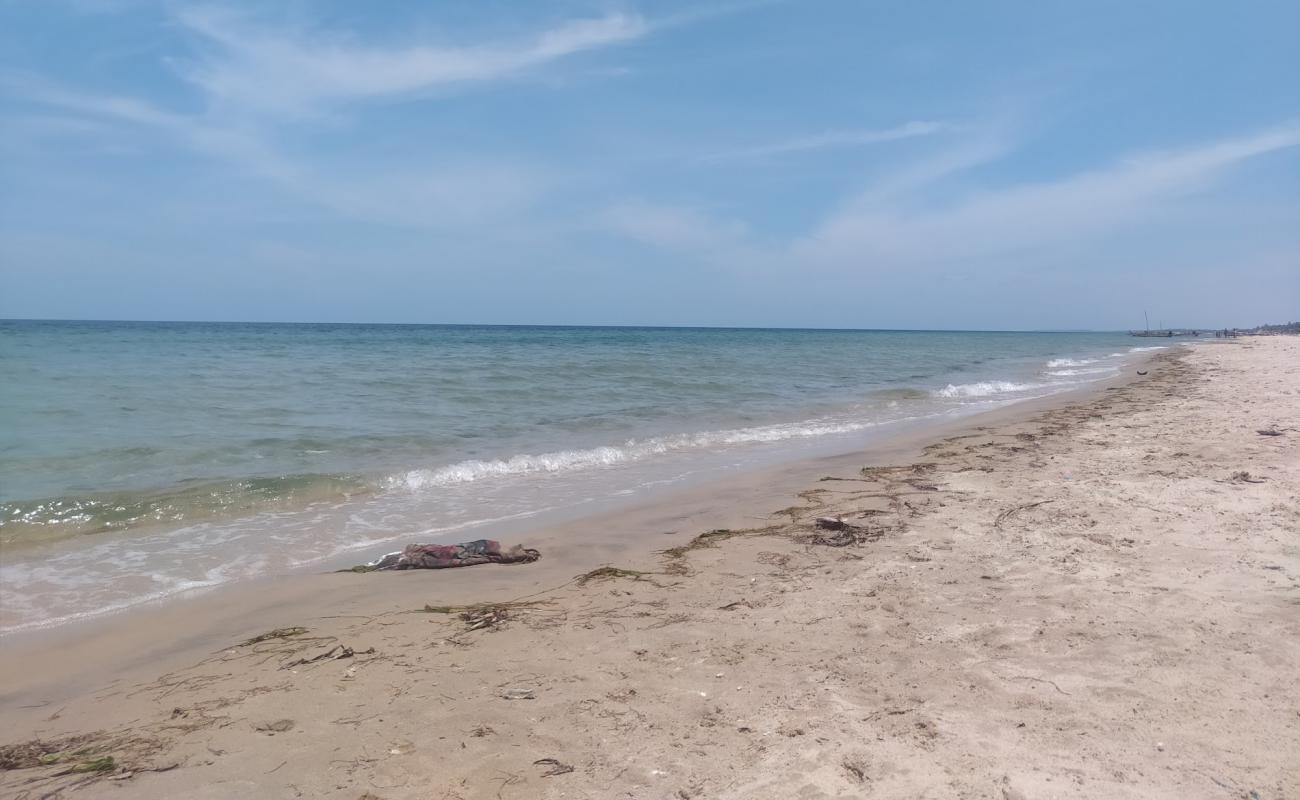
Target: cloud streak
[(1027, 215), (832, 139), (422, 194), (673, 228), (906, 218), (203, 135), (255, 79), (279, 73)]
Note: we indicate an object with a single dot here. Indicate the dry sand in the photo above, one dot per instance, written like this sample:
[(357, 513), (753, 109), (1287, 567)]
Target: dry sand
[(1099, 600)]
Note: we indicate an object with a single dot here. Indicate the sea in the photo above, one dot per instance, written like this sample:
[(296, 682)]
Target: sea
[(142, 460)]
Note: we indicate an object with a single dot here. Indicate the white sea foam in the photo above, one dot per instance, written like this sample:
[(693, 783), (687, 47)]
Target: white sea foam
[(1067, 373), (173, 588), (984, 389), (473, 470), (562, 379), (610, 456), (1143, 349)]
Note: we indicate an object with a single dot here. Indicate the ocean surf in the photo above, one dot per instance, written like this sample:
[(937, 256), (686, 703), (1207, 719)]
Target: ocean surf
[(144, 460)]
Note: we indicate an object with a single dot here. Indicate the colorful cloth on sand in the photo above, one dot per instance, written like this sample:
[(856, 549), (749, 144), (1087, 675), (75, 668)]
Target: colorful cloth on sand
[(445, 556)]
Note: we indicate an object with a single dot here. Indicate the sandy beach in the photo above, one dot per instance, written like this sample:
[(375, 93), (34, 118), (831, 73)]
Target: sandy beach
[(1094, 599)]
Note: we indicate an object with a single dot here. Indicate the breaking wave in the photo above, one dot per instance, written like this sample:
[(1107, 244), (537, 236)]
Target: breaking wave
[(608, 456), (984, 389), (53, 518), (1066, 373), (1071, 362)]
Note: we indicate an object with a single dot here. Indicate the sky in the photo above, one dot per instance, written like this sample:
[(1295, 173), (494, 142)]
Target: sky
[(820, 163)]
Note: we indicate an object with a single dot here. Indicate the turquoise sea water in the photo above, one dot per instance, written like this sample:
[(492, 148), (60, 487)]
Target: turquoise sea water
[(142, 459)]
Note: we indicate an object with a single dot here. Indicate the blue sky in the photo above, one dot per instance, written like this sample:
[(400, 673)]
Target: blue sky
[(814, 163)]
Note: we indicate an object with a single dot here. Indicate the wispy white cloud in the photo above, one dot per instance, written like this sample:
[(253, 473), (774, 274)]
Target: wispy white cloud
[(1128, 193), (252, 78), (721, 245), (673, 228), (424, 193), (911, 180), (831, 139), (126, 109), (280, 72), (907, 217), (239, 145)]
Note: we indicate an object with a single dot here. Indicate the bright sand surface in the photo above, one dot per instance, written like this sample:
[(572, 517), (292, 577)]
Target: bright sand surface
[(1099, 597)]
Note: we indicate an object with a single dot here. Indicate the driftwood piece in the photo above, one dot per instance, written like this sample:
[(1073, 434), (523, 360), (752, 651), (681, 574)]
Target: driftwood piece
[(1011, 512), (557, 767)]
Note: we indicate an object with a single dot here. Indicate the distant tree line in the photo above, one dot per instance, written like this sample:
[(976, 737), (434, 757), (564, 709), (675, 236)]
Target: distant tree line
[(1286, 327)]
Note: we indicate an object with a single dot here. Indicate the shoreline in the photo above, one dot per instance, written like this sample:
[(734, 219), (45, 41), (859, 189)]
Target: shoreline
[(118, 660), (784, 472), (746, 494), (308, 493)]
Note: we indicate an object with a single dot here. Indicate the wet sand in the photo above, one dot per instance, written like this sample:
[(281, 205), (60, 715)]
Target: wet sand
[(1084, 597)]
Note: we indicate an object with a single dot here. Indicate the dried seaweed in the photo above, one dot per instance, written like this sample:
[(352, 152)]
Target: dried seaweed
[(477, 608), (43, 752), (278, 633), (711, 539), (335, 653), (611, 573), (85, 754)]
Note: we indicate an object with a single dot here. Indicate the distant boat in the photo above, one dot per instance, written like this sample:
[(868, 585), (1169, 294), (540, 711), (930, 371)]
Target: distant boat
[(1166, 333), (1148, 333)]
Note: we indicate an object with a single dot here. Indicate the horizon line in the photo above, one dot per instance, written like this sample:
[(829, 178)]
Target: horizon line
[(640, 326)]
